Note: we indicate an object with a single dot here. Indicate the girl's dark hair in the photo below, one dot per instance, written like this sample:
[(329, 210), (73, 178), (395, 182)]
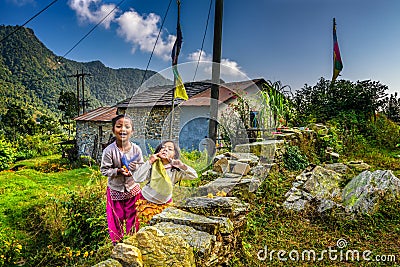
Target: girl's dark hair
[(115, 119), (176, 148)]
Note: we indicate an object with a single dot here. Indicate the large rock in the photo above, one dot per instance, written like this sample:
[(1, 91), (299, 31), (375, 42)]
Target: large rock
[(202, 242), (108, 263), (127, 254), (317, 183), (226, 184), (199, 222), (362, 193), (162, 250), (323, 183)]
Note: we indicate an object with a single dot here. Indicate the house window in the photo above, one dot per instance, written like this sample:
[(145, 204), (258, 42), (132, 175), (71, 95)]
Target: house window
[(254, 119)]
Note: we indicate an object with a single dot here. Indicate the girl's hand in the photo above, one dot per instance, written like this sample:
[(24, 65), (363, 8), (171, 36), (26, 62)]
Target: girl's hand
[(178, 164), (153, 158), (124, 171), (133, 166)]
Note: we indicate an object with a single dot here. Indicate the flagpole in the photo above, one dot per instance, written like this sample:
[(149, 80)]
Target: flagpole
[(174, 63), (172, 111)]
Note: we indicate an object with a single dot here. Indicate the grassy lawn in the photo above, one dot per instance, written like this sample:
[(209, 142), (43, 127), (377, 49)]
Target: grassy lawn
[(23, 188)]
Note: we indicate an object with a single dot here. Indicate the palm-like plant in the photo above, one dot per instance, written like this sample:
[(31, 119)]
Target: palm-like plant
[(276, 102)]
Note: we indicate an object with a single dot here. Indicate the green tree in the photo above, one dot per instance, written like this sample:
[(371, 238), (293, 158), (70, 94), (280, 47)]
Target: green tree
[(324, 101), (392, 108), (69, 106)]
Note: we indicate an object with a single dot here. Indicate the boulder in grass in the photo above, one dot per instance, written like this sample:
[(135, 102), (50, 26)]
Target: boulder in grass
[(362, 193)]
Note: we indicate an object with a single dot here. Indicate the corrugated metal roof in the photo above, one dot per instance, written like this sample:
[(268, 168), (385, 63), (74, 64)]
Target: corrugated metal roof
[(198, 93), (102, 114), (226, 92), (161, 95)]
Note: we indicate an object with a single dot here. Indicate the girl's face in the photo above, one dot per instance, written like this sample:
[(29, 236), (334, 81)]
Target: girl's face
[(167, 152), (123, 129)]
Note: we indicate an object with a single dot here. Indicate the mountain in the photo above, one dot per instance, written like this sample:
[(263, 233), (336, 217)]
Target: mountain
[(31, 73)]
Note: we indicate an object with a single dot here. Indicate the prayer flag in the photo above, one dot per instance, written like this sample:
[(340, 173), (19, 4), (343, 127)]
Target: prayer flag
[(180, 91), (337, 60)]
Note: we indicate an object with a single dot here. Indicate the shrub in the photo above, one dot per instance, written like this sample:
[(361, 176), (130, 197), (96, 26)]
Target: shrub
[(383, 132), (7, 154), (39, 145), (85, 216), (10, 248), (294, 159)]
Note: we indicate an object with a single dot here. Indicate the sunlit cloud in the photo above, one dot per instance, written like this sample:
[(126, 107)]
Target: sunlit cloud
[(142, 30), (231, 67), (94, 11), (139, 30)]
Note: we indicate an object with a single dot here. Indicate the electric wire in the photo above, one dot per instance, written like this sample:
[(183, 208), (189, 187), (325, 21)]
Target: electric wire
[(20, 27), (91, 30), (154, 47), (202, 43)]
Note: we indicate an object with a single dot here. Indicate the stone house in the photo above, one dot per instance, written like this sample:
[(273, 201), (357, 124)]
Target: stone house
[(152, 114)]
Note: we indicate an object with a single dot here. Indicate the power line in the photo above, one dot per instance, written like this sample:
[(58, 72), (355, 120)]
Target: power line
[(154, 47), (202, 43), (20, 27)]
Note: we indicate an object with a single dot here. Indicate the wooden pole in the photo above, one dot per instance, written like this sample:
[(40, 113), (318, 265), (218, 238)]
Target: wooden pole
[(212, 129)]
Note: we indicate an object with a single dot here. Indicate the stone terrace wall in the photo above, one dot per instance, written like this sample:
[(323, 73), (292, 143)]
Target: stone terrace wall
[(203, 228)]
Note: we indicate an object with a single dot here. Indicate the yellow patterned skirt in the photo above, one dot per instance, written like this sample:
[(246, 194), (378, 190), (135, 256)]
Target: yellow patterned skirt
[(146, 210)]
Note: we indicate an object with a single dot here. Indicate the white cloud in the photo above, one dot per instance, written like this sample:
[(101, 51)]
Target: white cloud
[(203, 57), (93, 11), (142, 31), (229, 67)]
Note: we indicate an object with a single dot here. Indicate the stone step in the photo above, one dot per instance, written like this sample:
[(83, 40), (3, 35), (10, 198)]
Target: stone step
[(265, 150), (198, 222), (217, 206)]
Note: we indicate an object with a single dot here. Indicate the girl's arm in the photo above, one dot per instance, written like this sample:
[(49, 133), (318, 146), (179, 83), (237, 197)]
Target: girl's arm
[(107, 167), (142, 173), (185, 172)]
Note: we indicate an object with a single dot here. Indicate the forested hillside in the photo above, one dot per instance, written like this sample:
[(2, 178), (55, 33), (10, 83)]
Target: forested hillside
[(33, 75)]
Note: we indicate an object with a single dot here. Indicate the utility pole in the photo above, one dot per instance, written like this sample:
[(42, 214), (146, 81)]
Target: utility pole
[(78, 77), (213, 123)]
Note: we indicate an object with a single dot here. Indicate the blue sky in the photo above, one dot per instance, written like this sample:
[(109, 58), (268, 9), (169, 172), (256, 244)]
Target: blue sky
[(279, 40)]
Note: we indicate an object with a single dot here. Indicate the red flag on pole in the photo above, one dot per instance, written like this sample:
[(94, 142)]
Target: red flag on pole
[(337, 60)]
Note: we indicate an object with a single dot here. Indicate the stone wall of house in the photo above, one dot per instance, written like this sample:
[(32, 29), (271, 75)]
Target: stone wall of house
[(91, 137), (151, 125)]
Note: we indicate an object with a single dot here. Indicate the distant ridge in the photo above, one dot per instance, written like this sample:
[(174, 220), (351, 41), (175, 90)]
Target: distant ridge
[(40, 75)]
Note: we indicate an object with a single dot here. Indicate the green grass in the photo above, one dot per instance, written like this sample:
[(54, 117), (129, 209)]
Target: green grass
[(26, 194), (31, 163)]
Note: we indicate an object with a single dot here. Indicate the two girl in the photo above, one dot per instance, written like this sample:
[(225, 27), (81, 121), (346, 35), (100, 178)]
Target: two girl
[(125, 200)]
